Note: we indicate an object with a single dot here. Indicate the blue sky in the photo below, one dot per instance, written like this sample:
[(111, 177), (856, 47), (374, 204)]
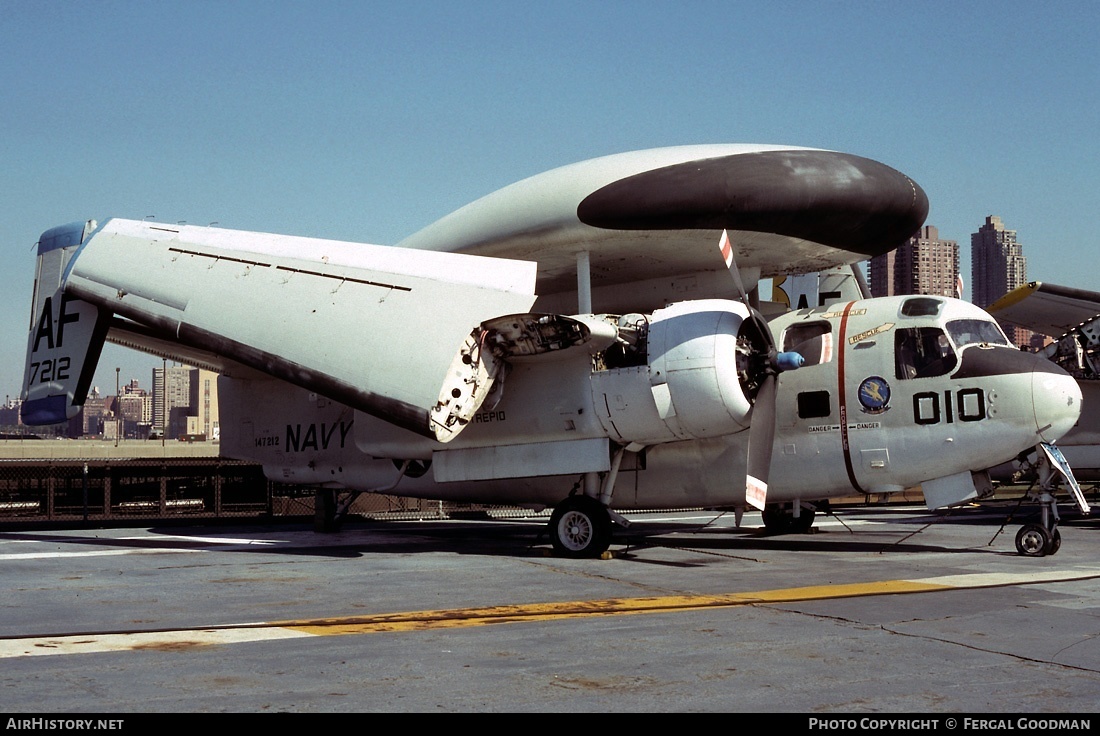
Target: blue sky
[(365, 121)]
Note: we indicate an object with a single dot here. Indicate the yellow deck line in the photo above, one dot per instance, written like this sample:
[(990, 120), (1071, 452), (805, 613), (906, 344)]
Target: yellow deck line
[(443, 619), (452, 618)]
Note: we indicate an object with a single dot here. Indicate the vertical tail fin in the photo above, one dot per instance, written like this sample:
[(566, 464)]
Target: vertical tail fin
[(816, 289), (66, 334)]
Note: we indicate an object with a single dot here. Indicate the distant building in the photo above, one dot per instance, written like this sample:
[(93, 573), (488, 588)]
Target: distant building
[(132, 409), (998, 266), (171, 399), (95, 414), (204, 404), (185, 402), (880, 274), (10, 421), (925, 264)]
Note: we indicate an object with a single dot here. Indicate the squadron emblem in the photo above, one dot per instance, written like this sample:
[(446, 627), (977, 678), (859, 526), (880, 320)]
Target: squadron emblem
[(874, 395)]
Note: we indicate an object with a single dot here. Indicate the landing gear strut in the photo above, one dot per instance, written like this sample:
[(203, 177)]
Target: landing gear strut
[(581, 524)]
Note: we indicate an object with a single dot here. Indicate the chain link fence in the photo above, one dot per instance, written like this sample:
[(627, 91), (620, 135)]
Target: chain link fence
[(118, 491)]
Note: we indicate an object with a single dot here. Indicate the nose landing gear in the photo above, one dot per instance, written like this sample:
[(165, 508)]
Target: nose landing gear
[(1039, 540), (1035, 540)]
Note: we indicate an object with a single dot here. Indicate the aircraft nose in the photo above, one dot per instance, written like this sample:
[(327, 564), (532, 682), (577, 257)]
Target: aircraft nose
[(1056, 398)]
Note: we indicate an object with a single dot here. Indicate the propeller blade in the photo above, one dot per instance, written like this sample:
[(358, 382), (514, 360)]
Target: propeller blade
[(762, 429), (761, 439), (726, 248)]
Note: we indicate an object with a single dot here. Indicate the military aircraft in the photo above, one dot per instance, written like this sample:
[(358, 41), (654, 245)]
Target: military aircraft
[(590, 339)]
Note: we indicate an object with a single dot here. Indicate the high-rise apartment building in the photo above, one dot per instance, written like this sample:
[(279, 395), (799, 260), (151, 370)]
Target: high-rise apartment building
[(925, 264), (171, 399), (185, 401), (880, 274), (997, 266)]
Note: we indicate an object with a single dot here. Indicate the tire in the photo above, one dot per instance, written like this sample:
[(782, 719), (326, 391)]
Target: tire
[(802, 524), (779, 519), (1055, 542), (580, 527), (1033, 540), (776, 519)]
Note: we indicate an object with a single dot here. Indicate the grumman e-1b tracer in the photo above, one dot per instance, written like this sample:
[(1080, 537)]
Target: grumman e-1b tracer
[(589, 339)]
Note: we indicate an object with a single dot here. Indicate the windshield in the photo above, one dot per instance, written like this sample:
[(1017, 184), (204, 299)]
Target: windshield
[(922, 352), (973, 331)]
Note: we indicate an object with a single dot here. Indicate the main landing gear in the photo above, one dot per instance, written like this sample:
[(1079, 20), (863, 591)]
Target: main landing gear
[(580, 527), (779, 518), (581, 524)]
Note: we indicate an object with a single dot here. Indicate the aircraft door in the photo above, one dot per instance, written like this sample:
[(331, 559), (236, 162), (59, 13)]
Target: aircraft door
[(807, 410), (868, 390)]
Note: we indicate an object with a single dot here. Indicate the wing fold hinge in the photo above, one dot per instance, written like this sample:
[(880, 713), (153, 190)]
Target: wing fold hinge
[(475, 371)]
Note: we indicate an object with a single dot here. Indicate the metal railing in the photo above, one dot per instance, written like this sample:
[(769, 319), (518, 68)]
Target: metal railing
[(70, 481)]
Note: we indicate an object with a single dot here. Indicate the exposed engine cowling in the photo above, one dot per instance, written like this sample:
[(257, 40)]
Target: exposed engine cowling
[(703, 363)]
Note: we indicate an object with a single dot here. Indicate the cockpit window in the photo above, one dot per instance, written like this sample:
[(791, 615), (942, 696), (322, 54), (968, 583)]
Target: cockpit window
[(975, 331), (922, 352), (921, 306), (812, 340)]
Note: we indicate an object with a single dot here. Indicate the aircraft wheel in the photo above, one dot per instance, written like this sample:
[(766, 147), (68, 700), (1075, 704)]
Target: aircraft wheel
[(1033, 540), (776, 519), (1055, 541), (580, 527), (802, 524)]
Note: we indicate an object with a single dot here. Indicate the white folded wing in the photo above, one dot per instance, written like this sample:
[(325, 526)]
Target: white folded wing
[(390, 331)]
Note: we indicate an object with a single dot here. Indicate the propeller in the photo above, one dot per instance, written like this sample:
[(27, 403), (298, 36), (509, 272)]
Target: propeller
[(764, 366)]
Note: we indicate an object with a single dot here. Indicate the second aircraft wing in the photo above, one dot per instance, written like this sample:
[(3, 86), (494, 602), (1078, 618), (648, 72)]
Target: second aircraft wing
[(1048, 309)]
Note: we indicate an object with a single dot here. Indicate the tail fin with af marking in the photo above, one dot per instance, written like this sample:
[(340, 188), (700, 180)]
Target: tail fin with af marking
[(836, 284), (66, 334)]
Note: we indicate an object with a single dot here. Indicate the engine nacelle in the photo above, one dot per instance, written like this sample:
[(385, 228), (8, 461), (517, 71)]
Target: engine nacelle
[(694, 383)]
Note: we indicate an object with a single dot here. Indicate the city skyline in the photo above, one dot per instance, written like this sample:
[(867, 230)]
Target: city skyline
[(181, 399)]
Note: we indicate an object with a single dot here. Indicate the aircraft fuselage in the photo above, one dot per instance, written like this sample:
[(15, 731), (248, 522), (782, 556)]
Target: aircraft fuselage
[(895, 393)]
